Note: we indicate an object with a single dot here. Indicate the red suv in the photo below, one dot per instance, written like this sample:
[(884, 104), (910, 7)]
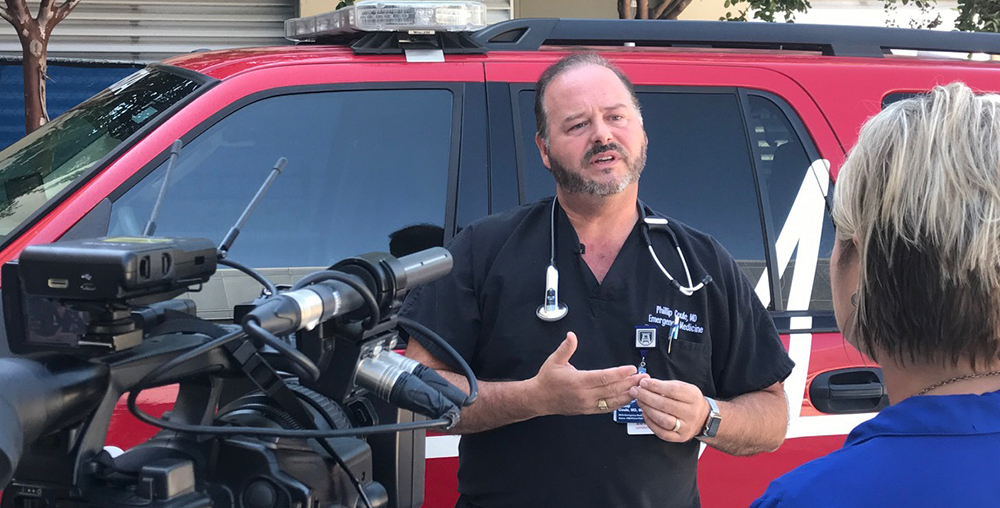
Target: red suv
[(747, 123)]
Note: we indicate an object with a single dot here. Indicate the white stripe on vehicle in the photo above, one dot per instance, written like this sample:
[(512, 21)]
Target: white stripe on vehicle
[(800, 235), (803, 229), (440, 447), (799, 349), (826, 425)]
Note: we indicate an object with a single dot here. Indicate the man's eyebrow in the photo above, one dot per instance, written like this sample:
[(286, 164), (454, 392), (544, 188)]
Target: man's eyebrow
[(571, 118)]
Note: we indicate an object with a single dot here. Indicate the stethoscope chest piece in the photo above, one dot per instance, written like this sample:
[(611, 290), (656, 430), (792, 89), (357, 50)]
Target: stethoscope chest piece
[(552, 309), (552, 315)]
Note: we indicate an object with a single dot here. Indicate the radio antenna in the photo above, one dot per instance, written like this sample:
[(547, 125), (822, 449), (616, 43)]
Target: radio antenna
[(175, 150), (227, 242)]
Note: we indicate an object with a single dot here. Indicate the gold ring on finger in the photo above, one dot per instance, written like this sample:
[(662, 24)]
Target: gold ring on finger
[(602, 405)]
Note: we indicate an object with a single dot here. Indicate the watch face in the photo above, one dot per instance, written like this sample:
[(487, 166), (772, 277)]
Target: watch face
[(714, 419), (713, 425)]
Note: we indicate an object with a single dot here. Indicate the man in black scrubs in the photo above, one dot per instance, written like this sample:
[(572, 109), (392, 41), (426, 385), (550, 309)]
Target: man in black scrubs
[(555, 424)]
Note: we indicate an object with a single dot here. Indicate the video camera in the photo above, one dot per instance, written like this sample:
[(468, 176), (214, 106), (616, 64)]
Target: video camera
[(272, 411)]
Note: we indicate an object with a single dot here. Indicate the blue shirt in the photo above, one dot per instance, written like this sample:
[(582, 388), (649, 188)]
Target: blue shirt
[(933, 451)]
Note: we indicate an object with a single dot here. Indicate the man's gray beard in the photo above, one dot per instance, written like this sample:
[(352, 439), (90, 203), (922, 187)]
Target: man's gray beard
[(578, 184)]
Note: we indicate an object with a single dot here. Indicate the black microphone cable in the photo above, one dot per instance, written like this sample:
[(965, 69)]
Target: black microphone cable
[(256, 275), (301, 363), (458, 360)]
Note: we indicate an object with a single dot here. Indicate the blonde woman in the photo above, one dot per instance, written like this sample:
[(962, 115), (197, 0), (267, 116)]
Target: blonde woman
[(916, 285)]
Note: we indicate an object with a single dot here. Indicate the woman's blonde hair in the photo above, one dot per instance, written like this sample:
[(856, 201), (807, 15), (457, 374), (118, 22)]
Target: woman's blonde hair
[(921, 194)]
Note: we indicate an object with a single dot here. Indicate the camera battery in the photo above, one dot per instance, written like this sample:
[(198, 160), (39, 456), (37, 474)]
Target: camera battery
[(116, 268)]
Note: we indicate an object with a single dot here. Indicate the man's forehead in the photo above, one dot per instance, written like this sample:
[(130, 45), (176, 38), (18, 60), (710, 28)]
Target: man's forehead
[(584, 87)]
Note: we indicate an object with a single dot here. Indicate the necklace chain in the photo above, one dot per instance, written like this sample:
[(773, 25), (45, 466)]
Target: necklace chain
[(958, 378)]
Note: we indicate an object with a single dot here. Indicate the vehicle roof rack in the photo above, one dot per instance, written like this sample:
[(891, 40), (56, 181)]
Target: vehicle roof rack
[(833, 40)]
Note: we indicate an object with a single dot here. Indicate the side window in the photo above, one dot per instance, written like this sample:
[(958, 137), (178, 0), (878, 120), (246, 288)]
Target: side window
[(355, 178), (698, 168), (795, 186)]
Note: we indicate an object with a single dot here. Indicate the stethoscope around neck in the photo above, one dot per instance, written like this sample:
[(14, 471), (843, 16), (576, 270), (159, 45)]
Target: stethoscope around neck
[(554, 310)]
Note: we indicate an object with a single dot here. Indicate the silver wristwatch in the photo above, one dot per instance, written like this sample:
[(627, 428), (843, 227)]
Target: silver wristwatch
[(714, 419)]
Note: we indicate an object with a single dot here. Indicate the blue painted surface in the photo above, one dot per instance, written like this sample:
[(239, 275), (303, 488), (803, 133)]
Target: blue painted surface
[(68, 86)]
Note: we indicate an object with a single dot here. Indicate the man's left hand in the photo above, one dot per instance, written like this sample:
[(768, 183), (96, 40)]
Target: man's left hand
[(663, 403)]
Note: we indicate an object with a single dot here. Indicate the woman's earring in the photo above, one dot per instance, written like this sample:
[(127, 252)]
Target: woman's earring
[(854, 298)]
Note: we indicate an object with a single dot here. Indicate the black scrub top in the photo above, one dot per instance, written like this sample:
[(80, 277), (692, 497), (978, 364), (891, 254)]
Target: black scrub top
[(726, 345)]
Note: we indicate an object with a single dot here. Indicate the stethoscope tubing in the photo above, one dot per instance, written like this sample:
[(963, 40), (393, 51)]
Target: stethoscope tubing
[(554, 310)]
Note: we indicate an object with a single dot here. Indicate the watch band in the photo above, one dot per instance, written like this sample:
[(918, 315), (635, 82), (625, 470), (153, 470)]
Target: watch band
[(713, 421)]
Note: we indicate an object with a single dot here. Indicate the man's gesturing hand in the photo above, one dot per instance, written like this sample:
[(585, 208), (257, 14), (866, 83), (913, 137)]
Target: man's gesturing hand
[(564, 390), (663, 403)]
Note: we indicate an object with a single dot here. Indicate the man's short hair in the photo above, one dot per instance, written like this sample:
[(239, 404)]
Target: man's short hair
[(567, 63), (921, 193)]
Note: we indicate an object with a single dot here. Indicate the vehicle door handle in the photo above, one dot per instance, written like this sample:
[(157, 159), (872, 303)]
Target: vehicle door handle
[(849, 391), (856, 391)]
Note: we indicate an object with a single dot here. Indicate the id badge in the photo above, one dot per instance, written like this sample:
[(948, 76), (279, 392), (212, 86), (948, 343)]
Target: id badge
[(639, 429), (630, 413)]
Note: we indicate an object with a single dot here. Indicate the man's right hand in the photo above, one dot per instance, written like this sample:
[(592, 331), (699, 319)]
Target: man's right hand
[(563, 390)]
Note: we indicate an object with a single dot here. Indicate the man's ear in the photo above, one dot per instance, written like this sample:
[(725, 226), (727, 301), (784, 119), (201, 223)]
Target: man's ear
[(542, 150)]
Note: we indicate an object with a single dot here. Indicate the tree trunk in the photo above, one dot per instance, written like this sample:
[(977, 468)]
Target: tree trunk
[(34, 36), (34, 52), (624, 9), (642, 9)]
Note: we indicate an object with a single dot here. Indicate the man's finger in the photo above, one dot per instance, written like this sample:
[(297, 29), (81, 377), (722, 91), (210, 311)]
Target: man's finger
[(565, 351), (604, 377), (673, 389), (653, 399), (661, 431), (618, 401), (622, 387)]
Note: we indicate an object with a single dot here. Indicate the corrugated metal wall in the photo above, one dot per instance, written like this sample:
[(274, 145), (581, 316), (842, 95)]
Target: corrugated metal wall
[(498, 10), (151, 30)]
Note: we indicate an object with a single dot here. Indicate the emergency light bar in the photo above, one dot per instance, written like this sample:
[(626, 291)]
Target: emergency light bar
[(379, 16)]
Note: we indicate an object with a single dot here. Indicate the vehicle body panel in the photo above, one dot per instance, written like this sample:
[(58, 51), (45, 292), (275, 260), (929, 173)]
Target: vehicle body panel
[(832, 96)]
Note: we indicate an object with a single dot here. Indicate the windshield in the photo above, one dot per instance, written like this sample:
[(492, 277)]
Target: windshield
[(36, 168)]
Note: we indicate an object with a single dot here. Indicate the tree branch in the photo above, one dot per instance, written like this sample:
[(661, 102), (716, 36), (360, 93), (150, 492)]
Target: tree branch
[(54, 15), (660, 8), (5, 14), (63, 10), (17, 11), (676, 8), (44, 11)]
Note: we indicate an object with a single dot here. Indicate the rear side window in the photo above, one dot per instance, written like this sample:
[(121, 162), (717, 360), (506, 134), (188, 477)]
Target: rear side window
[(354, 181), (698, 170), (795, 185)]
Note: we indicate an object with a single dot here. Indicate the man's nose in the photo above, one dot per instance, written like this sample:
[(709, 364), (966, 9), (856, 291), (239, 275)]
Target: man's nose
[(602, 133)]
